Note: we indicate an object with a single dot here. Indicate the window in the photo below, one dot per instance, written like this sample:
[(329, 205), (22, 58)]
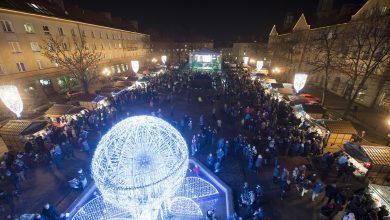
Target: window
[(46, 29), (101, 46), (86, 46), (361, 94), (120, 46), (94, 46), (113, 36), (72, 32), (29, 28), (2, 70), (65, 46), (40, 64), (92, 34), (15, 47), (60, 31), (101, 35), (21, 67), (35, 47), (83, 33), (7, 26), (107, 35)]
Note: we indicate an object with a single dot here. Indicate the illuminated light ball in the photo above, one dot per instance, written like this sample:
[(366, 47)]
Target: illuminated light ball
[(11, 98), (139, 164), (164, 59), (135, 66), (299, 81)]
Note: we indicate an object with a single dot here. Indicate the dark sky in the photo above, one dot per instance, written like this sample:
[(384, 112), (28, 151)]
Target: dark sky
[(215, 19)]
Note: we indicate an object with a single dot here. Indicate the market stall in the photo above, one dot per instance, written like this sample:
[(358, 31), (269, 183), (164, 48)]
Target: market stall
[(379, 169), (91, 102), (315, 111), (339, 133), (16, 132), (57, 110)]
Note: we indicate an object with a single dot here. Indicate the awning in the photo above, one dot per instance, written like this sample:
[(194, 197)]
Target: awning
[(58, 110), (341, 127), (22, 127), (277, 85)]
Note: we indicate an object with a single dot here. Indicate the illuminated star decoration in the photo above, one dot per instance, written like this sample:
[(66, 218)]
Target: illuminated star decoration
[(135, 66)]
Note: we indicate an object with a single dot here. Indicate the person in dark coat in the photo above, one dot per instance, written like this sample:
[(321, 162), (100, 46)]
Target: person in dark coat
[(50, 212)]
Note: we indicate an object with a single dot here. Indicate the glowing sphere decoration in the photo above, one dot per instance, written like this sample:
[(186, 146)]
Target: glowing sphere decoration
[(299, 81), (259, 65), (11, 98), (246, 60), (139, 164), (164, 59), (135, 66)]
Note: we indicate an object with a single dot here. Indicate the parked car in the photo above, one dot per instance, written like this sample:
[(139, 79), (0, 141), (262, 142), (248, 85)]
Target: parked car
[(310, 99)]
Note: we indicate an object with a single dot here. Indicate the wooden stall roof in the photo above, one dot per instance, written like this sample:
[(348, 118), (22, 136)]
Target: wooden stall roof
[(379, 155), (57, 110), (341, 127), (22, 127), (315, 109)]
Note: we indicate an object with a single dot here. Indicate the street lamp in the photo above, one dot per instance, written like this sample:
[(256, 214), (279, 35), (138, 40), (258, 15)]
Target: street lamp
[(135, 66), (299, 81), (164, 59), (11, 98)]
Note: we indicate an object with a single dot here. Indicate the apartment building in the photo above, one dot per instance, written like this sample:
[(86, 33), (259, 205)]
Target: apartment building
[(24, 27), (292, 47)]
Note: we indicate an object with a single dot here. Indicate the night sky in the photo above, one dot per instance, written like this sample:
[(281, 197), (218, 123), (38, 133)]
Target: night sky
[(213, 19)]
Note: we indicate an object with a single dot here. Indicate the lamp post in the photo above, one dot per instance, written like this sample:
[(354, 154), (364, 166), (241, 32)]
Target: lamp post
[(10, 96), (299, 81), (135, 66)]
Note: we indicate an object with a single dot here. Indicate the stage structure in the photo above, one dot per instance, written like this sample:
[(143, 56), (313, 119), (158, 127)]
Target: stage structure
[(205, 60)]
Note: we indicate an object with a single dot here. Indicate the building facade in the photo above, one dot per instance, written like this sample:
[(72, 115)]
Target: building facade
[(24, 31), (178, 52), (295, 50)]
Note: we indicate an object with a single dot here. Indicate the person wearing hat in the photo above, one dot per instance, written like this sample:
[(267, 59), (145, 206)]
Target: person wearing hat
[(81, 178)]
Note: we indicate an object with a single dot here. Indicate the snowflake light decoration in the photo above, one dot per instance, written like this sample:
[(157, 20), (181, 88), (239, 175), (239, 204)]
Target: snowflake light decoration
[(11, 98), (183, 206), (196, 188), (139, 164), (299, 81), (135, 66)]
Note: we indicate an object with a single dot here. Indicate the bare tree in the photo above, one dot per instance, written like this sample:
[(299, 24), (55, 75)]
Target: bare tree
[(80, 61), (383, 79), (325, 51), (369, 47)]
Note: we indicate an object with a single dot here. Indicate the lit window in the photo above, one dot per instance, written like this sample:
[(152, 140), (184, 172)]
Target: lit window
[(21, 66), (60, 31), (15, 47), (40, 64), (120, 46), (29, 28), (35, 47), (46, 29), (2, 70)]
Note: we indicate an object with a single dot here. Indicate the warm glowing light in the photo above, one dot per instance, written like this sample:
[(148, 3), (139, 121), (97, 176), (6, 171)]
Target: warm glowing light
[(276, 70), (163, 59), (388, 122), (154, 60), (135, 65), (139, 164), (259, 65), (299, 81), (106, 72), (11, 98), (246, 60)]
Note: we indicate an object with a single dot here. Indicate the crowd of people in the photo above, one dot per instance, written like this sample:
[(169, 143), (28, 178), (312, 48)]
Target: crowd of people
[(266, 130)]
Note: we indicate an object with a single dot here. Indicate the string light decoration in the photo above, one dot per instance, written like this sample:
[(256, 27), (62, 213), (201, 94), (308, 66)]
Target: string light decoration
[(246, 60), (299, 81), (139, 164), (196, 188), (11, 98), (163, 59), (182, 206), (135, 66), (259, 65)]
